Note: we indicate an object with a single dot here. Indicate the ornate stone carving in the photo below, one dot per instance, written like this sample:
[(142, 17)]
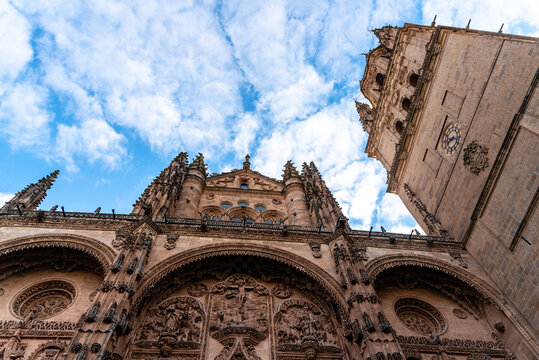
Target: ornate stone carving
[(239, 304), (48, 350), (171, 241), (176, 323), (340, 254), (315, 248), (197, 289), (358, 252), (475, 157), (44, 300), (461, 314), (417, 344), (281, 291), (420, 317), (299, 321)]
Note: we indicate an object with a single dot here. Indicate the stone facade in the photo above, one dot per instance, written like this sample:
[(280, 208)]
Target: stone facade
[(239, 266), (454, 120)]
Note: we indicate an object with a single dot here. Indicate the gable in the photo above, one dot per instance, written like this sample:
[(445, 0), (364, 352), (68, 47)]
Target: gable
[(235, 179)]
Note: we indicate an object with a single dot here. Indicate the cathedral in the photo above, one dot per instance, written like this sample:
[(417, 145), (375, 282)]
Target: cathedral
[(242, 266)]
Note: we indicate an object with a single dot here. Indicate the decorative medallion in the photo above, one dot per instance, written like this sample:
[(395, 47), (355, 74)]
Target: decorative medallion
[(475, 157), (420, 316), (197, 289), (44, 300), (461, 314), (282, 291)]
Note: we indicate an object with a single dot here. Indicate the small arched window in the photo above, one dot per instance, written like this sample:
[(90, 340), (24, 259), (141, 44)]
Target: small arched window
[(244, 185), (413, 79), (399, 126), (260, 208), (380, 79), (226, 205), (406, 102), (243, 203)]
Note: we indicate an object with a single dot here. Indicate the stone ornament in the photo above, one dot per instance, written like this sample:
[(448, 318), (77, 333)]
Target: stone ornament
[(197, 289), (44, 300), (475, 157), (461, 314), (1, 291), (420, 317), (171, 241), (281, 291)]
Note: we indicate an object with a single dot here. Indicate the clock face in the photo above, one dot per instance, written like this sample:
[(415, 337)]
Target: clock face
[(451, 139)]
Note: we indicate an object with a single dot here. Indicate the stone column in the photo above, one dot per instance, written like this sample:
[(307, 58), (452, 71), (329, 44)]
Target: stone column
[(294, 194), (371, 331), (104, 325)]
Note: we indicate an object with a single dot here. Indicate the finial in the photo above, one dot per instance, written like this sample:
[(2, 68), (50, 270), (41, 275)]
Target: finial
[(289, 170), (247, 163), (31, 196)]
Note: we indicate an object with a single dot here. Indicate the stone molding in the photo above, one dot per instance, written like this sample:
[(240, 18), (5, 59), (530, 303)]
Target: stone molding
[(102, 253)]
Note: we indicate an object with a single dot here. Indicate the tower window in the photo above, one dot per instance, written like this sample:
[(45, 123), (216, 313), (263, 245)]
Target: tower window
[(399, 126), (380, 79), (413, 79), (406, 102), (244, 186)]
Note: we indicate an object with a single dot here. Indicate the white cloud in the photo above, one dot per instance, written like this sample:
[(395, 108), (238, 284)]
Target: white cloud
[(15, 46), (392, 209), (23, 117), (94, 139), (517, 16), (245, 131), (4, 198)]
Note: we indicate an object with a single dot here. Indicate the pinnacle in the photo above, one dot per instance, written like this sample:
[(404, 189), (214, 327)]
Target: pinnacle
[(289, 170), (199, 164), (32, 195)]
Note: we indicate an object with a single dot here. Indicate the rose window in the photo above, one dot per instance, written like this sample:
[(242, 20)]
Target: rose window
[(45, 299), (420, 316)]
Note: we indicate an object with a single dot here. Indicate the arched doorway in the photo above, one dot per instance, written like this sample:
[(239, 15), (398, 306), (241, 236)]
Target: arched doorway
[(239, 306)]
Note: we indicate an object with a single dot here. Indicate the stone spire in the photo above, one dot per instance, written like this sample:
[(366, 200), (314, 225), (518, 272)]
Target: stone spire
[(289, 171), (366, 116), (163, 189), (31, 196), (199, 164), (323, 207)]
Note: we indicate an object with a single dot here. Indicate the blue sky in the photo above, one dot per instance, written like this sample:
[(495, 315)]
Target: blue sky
[(110, 91)]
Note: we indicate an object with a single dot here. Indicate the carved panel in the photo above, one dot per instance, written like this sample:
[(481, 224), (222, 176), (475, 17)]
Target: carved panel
[(475, 157), (178, 321), (298, 322)]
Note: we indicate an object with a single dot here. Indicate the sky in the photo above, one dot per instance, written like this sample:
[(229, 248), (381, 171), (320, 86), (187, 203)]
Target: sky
[(108, 92)]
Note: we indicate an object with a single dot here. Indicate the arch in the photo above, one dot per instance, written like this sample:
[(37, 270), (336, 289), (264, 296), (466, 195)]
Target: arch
[(413, 79), (103, 254), (380, 79), (377, 266), (160, 271), (212, 211), (406, 103), (239, 211), (59, 346), (399, 127)]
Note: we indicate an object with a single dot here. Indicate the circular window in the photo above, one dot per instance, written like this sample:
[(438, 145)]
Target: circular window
[(226, 205), (260, 208), (45, 299), (243, 203), (420, 316)]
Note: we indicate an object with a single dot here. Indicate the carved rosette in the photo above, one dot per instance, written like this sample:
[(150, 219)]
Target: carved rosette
[(475, 157), (44, 300), (420, 317)]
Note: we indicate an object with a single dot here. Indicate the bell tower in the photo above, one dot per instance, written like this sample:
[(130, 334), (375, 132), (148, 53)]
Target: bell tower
[(454, 122)]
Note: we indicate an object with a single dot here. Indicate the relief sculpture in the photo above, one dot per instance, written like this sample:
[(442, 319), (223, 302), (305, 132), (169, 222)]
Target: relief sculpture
[(176, 323), (299, 324), (239, 316)]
